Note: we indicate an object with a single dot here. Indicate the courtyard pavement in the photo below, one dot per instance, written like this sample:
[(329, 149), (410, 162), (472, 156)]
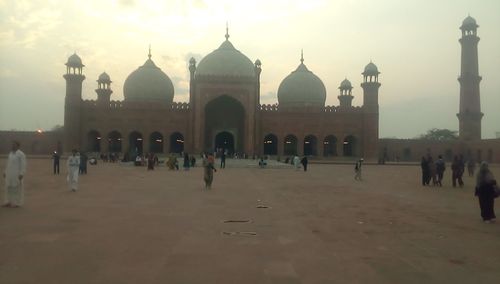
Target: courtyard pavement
[(128, 225)]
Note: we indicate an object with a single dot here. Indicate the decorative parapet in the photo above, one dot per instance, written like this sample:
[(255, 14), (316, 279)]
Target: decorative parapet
[(89, 103), (342, 109), (115, 104), (269, 107), (177, 106)]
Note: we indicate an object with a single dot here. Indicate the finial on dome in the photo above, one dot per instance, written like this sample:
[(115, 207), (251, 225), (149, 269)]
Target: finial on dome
[(149, 54), (302, 56), (227, 31)]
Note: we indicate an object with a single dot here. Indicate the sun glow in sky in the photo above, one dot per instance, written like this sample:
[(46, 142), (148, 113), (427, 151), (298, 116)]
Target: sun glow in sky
[(415, 47)]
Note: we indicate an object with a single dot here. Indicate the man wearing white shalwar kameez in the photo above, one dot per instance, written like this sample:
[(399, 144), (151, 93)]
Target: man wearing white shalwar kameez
[(73, 170), (14, 174), (296, 162)]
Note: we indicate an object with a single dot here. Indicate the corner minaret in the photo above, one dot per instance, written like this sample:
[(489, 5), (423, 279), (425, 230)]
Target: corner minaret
[(72, 102), (345, 97), (470, 114), (103, 90)]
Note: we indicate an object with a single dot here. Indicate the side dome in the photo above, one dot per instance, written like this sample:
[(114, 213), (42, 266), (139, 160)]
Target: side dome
[(226, 61), (74, 61), (371, 69), (301, 88), (148, 83), (104, 77), (346, 84)]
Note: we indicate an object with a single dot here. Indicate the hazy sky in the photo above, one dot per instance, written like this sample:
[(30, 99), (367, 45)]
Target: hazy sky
[(413, 42)]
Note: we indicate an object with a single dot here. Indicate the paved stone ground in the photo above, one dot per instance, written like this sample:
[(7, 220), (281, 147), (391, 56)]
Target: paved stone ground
[(127, 225)]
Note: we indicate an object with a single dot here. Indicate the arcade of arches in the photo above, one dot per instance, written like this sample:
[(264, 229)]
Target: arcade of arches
[(227, 140)]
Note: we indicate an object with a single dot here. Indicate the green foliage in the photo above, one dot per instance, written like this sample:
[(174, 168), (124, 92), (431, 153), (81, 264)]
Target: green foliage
[(436, 134)]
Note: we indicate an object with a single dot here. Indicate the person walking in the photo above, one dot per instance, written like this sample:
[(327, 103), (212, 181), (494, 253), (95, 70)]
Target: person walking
[(471, 167), (425, 171), (208, 165), (186, 162), (15, 171), (296, 162), (151, 162), (486, 191), (73, 170), (432, 171), (357, 170), (456, 170), (304, 163), (223, 160), (440, 168), (56, 157), (83, 163)]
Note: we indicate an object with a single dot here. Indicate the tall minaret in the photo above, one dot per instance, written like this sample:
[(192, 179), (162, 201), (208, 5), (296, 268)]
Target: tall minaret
[(72, 103), (370, 87), (470, 114)]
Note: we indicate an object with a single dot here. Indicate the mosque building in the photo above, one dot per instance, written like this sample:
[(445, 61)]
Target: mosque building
[(224, 112)]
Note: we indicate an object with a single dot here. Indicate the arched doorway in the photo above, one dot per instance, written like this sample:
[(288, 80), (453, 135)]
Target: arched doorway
[(135, 142), (114, 142), (156, 142), (349, 147), (330, 146), (176, 143), (310, 145), (290, 147), (224, 115), (270, 145), (224, 142), (94, 141)]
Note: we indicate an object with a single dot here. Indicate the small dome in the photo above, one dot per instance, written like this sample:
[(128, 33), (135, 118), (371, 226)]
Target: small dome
[(371, 69), (301, 88), (74, 61), (104, 77), (346, 84), (226, 61), (148, 83), (469, 22)]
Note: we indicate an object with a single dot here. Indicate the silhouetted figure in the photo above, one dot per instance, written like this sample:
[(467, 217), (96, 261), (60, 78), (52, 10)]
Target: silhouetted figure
[(432, 171), (151, 162), (304, 163), (56, 157), (425, 171), (471, 167), (457, 172), (193, 161), (440, 168), (223, 160), (83, 163), (357, 170), (485, 191), (186, 162)]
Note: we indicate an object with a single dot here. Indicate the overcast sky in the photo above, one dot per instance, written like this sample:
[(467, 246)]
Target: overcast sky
[(413, 42)]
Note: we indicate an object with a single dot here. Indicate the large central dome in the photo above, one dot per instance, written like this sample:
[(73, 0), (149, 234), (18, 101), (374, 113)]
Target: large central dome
[(148, 83), (301, 89), (226, 61)]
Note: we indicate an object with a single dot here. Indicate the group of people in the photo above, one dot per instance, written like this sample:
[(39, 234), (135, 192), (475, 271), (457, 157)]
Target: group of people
[(486, 188), (432, 171)]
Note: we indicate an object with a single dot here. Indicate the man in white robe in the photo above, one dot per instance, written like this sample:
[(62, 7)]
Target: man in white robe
[(73, 170), (14, 174), (296, 162)]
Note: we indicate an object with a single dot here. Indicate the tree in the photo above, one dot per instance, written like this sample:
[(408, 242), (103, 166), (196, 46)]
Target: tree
[(436, 134)]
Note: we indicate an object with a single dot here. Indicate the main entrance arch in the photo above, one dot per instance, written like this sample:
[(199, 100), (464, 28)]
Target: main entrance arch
[(224, 124), (224, 142)]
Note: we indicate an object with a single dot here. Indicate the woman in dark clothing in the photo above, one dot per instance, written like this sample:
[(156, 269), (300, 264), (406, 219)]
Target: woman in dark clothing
[(425, 171), (485, 191), (186, 163)]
